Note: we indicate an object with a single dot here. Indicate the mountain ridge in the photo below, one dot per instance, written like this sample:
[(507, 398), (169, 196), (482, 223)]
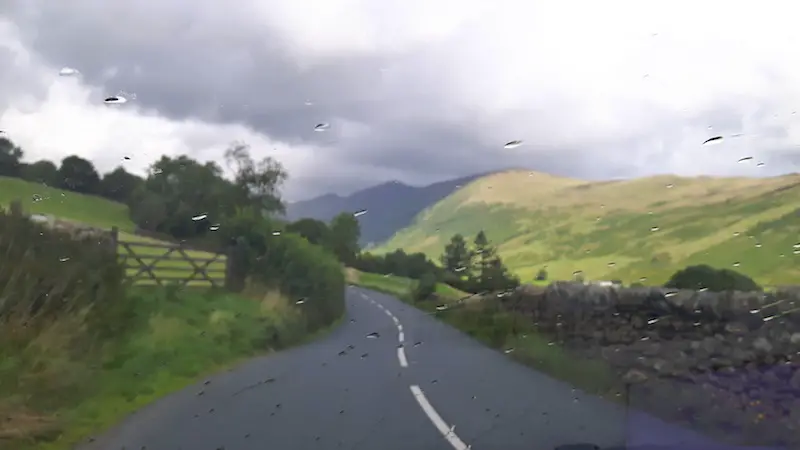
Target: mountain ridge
[(390, 206)]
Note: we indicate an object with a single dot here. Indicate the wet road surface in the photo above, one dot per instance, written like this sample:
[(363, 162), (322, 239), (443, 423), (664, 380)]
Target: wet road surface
[(390, 377)]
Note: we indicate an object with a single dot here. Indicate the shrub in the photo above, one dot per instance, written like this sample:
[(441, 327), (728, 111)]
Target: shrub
[(306, 273), (425, 288), (715, 280), (46, 274), (541, 275)]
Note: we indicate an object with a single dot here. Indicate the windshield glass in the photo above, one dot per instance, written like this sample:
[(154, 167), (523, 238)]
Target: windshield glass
[(352, 224)]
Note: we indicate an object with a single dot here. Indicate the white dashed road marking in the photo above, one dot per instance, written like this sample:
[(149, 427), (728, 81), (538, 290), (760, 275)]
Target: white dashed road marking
[(448, 433), (401, 356)]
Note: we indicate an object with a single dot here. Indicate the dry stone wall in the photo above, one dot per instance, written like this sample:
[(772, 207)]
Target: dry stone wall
[(723, 363)]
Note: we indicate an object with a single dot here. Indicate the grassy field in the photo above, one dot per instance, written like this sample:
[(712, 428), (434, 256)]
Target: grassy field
[(516, 336), (39, 199), (628, 229), (53, 394), (104, 214), (397, 286)]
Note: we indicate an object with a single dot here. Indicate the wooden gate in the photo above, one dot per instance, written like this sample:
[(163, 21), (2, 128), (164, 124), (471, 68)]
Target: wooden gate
[(163, 262)]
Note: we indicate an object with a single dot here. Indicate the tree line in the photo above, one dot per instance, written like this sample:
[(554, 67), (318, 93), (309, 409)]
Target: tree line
[(187, 200)]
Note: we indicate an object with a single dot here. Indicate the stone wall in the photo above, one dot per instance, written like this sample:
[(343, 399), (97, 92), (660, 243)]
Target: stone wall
[(727, 364)]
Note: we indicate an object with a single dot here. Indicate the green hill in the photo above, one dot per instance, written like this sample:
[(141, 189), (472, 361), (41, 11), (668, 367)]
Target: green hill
[(37, 198), (626, 229)]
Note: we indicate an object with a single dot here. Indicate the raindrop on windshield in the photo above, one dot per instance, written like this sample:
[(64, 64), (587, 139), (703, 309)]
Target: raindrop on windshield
[(654, 228), (745, 159), (276, 233), (512, 144), (214, 227), (373, 335), (199, 217), (713, 140), (115, 100), (68, 71), (321, 127)]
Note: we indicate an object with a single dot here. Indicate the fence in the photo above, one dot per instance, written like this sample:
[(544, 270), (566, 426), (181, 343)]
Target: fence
[(152, 261), (159, 262)]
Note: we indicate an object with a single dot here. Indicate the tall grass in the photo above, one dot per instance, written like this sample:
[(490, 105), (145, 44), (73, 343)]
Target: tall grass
[(48, 274)]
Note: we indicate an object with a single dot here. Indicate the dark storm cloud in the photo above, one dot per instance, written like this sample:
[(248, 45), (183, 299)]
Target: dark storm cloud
[(196, 60)]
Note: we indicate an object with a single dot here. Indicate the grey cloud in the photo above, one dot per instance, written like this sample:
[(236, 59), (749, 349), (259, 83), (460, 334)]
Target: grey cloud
[(212, 60)]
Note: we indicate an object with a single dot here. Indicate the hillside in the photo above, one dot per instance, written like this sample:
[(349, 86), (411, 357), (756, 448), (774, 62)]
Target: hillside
[(391, 206), (627, 229), (37, 198)]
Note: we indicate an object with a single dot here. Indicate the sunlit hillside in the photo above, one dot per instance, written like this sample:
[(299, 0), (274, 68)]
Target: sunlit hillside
[(627, 229)]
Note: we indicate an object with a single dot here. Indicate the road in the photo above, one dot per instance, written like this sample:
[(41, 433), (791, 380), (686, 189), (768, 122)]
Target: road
[(417, 384)]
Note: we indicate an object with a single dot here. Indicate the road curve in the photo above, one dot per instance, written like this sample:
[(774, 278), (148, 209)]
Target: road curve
[(417, 384)]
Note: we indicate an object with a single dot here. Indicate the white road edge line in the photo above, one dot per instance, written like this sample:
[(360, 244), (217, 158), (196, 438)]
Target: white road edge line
[(401, 337), (437, 420), (401, 356)]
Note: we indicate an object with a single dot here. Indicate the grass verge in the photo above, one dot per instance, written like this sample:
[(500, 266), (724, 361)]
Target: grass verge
[(59, 389)]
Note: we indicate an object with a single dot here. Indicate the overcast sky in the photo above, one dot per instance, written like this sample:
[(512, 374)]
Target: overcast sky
[(414, 90)]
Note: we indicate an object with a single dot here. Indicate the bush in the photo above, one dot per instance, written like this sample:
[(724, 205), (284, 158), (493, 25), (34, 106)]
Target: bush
[(46, 274), (541, 275), (311, 276), (715, 280), (425, 288)]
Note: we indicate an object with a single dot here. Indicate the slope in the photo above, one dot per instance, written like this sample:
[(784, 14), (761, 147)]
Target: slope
[(626, 229), (40, 199), (391, 206)]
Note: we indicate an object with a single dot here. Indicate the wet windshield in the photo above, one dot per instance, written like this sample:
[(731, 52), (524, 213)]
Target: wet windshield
[(398, 224)]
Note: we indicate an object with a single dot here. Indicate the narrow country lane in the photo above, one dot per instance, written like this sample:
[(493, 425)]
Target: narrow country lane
[(390, 377)]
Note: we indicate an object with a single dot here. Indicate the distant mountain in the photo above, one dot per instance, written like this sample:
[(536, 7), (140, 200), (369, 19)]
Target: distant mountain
[(390, 206)]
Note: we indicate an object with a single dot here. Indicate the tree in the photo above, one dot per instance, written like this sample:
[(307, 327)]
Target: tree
[(43, 171), (147, 209), (194, 194), (715, 280), (457, 258), (119, 184), (345, 233), (78, 175), (314, 231), (10, 158), (256, 183), (484, 254)]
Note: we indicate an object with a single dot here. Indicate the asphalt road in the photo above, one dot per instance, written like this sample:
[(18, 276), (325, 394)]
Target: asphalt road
[(418, 385)]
